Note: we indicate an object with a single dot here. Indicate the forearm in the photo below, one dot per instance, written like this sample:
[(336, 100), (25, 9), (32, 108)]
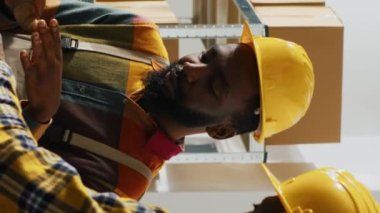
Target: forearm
[(34, 179), (37, 128)]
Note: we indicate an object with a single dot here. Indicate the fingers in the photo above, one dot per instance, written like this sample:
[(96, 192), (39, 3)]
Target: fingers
[(34, 25), (50, 38), (30, 61), (25, 61), (46, 38), (46, 46), (54, 30), (56, 37), (38, 56)]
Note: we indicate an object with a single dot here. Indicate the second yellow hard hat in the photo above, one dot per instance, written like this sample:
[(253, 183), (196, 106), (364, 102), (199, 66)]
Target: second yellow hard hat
[(324, 190)]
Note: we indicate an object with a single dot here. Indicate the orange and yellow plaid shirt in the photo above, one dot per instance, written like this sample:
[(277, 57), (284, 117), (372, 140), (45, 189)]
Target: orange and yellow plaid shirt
[(98, 97), (33, 179)]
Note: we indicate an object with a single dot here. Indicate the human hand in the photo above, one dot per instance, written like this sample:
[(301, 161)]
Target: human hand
[(26, 12), (43, 71)]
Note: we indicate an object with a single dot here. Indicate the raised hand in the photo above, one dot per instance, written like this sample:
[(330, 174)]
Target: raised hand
[(43, 71)]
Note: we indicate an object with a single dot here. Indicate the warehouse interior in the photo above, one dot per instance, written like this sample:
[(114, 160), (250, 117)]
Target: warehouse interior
[(357, 149), (340, 128)]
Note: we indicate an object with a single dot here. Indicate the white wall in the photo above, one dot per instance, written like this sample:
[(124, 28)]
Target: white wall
[(361, 87)]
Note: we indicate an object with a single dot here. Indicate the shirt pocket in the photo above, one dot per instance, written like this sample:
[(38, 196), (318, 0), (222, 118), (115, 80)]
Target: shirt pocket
[(92, 111)]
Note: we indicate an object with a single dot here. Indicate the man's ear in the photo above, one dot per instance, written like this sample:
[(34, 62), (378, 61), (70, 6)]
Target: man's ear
[(221, 131)]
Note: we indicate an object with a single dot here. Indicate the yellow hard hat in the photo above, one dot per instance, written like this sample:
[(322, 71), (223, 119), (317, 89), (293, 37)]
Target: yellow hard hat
[(286, 82), (324, 190)]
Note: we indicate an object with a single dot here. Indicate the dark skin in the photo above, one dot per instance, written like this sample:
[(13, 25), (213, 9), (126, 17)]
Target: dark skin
[(43, 71), (218, 83), (269, 205)]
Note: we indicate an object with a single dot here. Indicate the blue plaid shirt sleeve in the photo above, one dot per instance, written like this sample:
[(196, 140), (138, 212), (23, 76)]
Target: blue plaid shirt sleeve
[(34, 179)]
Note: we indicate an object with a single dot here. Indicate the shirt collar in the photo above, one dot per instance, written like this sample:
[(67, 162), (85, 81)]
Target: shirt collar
[(161, 145)]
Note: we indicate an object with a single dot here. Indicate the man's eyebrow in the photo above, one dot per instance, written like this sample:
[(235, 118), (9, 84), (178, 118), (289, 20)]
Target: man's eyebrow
[(215, 50)]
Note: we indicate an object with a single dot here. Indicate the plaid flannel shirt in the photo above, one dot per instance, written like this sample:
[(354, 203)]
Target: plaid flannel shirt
[(99, 98), (34, 179)]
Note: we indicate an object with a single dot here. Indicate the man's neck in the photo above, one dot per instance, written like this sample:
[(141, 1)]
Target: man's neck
[(173, 129), (175, 132), (170, 127)]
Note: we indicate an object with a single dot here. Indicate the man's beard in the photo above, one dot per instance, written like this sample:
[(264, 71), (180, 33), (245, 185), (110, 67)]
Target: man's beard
[(157, 103)]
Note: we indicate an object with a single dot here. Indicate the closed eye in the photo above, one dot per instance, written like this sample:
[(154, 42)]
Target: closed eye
[(203, 58), (208, 56)]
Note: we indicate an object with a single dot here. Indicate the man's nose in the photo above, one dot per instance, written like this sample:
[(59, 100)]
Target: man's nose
[(195, 71)]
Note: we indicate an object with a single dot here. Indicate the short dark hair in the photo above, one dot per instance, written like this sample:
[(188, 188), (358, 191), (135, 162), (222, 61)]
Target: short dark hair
[(248, 121)]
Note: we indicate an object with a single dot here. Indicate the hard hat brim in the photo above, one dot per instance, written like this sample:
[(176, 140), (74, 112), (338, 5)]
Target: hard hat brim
[(277, 186), (248, 39)]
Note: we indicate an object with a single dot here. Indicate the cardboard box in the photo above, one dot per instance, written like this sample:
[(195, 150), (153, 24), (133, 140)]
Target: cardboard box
[(226, 12), (320, 32), (288, 2)]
